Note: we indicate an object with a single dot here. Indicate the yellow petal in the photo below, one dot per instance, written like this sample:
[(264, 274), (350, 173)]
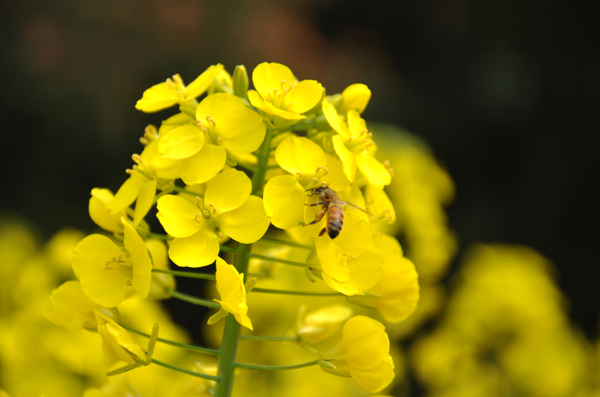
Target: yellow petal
[(297, 154), (70, 308), (374, 380), (284, 200), (200, 249), (379, 203), (398, 292), (157, 97), (104, 286), (364, 343), (240, 128), (245, 224), (332, 261), (125, 340), (366, 270), (373, 170), (204, 165), (142, 266), (126, 194), (228, 190), (335, 178), (144, 200), (202, 82), (178, 216), (355, 97), (99, 212), (356, 124), (334, 120), (181, 142), (346, 156), (304, 96), (267, 78)]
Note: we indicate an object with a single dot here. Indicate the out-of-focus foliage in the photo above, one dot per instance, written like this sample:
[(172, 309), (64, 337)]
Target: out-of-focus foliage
[(505, 332)]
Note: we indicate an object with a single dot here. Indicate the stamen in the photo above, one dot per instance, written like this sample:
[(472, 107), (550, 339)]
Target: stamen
[(137, 158), (197, 217), (177, 79), (212, 206), (221, 235), (130, 172), (144, 141), (386, 163), (348, 256), (211, 120)]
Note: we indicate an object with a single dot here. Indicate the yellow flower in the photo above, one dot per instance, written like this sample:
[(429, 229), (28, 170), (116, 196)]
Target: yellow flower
[(318, 326), (70, 308), (398, 290), (100, 211), (119, 345), (351, 144), (361, 352), (227, 209), (279, 95), (230, 285), (164, 95), (351, 263), (118, 387), (354, 97), (223, 124), (106, 271)]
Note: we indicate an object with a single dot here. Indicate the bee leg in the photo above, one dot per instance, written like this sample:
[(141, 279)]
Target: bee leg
[(315, 204), (318, 216), (322, 232)]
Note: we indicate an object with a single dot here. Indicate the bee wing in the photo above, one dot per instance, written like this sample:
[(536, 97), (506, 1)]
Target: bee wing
[(357, 207)]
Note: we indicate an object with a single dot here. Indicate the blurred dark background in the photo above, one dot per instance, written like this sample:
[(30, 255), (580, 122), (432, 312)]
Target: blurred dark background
[(506, 92)]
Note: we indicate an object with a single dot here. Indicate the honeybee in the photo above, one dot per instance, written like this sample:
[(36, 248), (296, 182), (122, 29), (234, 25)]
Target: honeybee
[(332, 205)]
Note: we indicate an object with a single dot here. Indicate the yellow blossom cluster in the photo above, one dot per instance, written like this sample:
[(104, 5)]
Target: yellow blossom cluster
[(240, 175), (505, 332)]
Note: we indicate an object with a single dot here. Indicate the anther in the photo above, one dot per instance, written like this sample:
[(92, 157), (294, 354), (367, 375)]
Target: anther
[(211, 120), (130, 171), (197, 217), (221, 235), (212, 207), (137, 158), (348, 256), (386, 163), (199, 201), (144, 141), (299, 174)]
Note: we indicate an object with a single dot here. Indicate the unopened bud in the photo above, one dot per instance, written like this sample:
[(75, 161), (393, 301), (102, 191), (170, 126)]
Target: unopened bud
[(240, 82)]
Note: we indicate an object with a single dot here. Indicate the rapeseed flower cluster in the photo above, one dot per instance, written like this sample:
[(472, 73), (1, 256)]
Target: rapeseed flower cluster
[(261, 182)]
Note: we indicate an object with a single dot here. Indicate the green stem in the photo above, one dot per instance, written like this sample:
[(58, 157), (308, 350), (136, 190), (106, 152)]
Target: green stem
[(270, 338), (286, 243), (270, 259), (284, 292), (276, 367), (193, 299), (231, 334), (182, 190), (226, 248), (185, 371), (203, 276), (160, 236), (249, 167), (177, 344)]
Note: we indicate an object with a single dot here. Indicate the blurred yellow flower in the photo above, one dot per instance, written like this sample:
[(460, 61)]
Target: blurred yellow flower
[(106, 271), (362, 352), (70, 308)]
